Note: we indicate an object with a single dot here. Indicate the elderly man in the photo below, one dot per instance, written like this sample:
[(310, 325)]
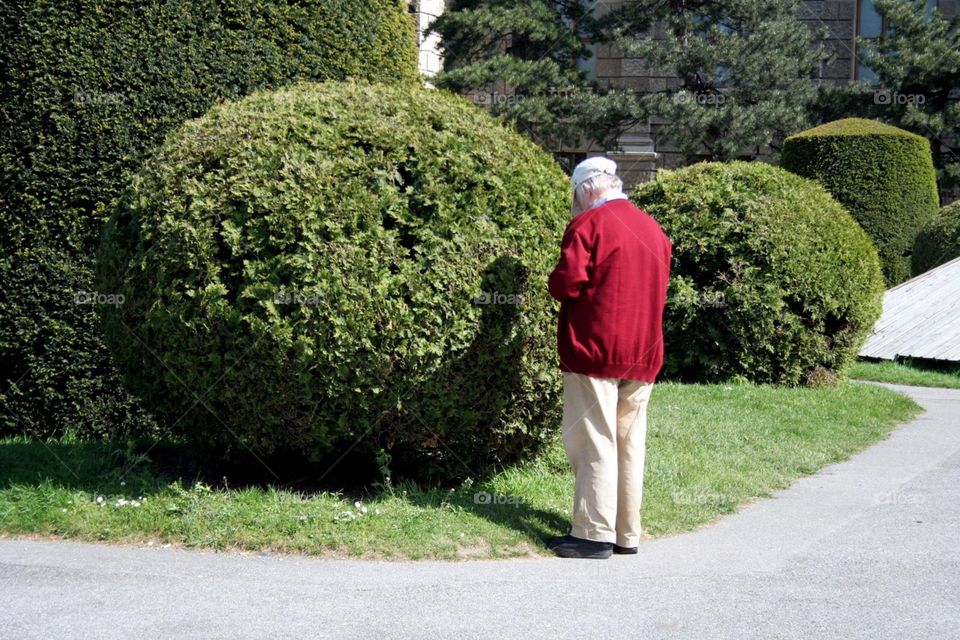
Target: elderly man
[(611, 281)]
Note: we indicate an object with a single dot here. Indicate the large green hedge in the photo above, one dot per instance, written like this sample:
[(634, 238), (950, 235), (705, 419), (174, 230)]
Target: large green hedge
[(87, 88), (939, 241), (343, 265), (771, 279), (883, 175)]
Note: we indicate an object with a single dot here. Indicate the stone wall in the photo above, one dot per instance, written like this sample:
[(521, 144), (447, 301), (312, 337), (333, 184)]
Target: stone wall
[(837, 18), (425, 11)]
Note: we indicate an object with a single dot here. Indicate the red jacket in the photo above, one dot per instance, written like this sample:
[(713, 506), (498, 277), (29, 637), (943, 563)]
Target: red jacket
[(611, 281)]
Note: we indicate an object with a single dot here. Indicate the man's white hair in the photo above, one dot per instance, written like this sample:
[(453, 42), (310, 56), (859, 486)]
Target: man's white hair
[(599, 184)]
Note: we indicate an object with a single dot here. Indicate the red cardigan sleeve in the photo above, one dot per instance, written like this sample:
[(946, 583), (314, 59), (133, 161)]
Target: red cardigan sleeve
[(573, 269)]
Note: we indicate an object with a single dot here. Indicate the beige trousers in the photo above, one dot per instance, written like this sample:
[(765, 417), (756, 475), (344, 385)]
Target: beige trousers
[(604, 434)]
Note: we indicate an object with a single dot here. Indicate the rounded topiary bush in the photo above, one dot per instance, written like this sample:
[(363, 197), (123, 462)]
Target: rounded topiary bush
[(770, 278), (87, 88), (338, 265), (939, 241), (883, 175)]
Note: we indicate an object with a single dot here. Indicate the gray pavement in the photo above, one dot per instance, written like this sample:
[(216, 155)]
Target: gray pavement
[(869, 548)]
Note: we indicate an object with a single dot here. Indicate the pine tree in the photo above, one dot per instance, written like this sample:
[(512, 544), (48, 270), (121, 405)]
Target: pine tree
[(742, 69), (742, 72), (520, 58), (917, 65)]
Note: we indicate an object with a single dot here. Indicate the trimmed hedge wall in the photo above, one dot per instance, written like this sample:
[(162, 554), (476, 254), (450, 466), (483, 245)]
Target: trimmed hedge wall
[(883, 175), (771, 279), (88, 88), (66, 382), (343, 266), (939, 241)]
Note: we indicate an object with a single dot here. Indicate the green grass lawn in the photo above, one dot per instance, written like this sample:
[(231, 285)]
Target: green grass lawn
[(908, 373), (710, 449)]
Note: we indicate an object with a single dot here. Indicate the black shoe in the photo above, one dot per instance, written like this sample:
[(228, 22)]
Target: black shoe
[(558, 540), (580, 548), (624, 551)]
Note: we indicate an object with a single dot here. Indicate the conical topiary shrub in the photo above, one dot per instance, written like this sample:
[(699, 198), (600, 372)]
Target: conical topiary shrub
[(882, 175)]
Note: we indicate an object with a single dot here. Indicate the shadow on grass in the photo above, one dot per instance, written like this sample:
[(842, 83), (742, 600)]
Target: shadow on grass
[(151, 465), (922, 365), (511, 511)]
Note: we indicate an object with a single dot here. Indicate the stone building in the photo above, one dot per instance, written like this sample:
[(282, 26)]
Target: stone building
[(638, 151)]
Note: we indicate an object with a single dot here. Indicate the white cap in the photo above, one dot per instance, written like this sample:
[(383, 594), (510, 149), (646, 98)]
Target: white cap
[(598, 165)]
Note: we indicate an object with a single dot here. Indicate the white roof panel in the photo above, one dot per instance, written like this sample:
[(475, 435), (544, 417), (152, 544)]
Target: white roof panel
[(921, 318)]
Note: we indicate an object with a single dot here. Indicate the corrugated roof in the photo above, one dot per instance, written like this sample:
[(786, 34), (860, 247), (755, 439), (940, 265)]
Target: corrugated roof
[(921, 318)]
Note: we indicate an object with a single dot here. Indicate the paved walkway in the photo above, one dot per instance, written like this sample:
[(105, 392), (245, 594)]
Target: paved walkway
[(869, 548)]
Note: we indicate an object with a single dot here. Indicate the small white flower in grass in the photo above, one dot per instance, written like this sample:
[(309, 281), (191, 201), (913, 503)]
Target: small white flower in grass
[(376, 511), (135, 504), (63, 510)]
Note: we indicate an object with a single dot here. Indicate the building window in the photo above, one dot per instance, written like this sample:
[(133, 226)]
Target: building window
[(718, 77), (870, 24), (587, 66)]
